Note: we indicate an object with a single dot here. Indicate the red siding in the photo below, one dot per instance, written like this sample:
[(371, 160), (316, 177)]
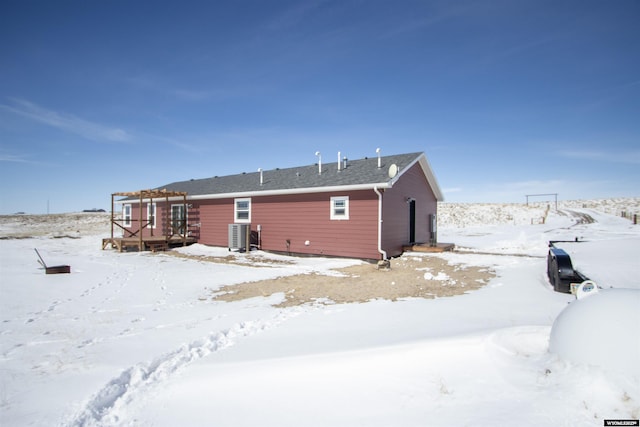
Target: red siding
[(215, 217), (300, 218), (395, 210)]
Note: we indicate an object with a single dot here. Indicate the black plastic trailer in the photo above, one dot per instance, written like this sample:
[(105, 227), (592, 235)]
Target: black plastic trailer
[(560, 269)]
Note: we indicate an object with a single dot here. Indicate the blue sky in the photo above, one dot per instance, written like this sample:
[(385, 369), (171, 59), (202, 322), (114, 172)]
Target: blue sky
[(505, 97)]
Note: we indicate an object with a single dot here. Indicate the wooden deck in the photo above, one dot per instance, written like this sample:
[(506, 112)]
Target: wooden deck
[(425, 247), (151, 243)]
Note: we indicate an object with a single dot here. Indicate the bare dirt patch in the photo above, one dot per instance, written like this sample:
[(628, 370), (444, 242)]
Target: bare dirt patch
[(253, 261), (409, 277)]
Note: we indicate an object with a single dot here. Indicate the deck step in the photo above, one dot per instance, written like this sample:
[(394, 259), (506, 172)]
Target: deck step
[(426, 247)]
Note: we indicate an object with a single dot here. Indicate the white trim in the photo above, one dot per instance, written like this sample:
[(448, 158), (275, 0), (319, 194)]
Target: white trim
[(126, 218), (287, 191), (428, 174), (249, 194), (155, 214), (236, 211), (332, 213)]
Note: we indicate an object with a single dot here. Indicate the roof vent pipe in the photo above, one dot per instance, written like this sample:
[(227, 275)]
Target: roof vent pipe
[(319, 163), (344, 165), (339, 161), (379, 164), (260, 170)]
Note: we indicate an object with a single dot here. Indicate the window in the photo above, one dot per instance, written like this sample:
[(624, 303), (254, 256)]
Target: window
[(242, 210), (151, 215), (178, 219), (126, 215), (340, 207)]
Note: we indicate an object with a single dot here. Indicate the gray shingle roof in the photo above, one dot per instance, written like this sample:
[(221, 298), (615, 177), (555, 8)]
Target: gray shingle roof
[(358, 172)]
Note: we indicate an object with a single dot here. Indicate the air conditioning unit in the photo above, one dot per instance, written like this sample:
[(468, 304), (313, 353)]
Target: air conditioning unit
[(239, 235)]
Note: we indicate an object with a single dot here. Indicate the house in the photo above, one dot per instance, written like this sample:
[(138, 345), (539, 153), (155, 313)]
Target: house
[(367, 208)]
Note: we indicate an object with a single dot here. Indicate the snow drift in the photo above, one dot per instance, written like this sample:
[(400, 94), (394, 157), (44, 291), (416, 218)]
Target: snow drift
[(601, 330)]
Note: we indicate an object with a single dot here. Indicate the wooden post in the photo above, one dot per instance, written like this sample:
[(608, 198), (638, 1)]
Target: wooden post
[(150, 209), (167, 224), (112, 217), (140, 247), (184, 221)]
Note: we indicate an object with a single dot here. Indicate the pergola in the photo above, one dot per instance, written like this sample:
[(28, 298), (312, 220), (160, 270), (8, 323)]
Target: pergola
[(135, 238)]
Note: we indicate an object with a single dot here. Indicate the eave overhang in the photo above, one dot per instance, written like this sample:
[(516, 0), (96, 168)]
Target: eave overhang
[(281, 192)]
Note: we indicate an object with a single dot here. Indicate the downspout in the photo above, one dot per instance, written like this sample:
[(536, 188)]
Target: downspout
[(382, 252)]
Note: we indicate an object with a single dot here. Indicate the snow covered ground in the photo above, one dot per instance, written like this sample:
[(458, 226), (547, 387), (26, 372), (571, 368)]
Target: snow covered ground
[(134, 339)]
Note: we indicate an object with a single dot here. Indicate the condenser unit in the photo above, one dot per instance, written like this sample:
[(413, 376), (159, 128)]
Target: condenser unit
[(239, 235)]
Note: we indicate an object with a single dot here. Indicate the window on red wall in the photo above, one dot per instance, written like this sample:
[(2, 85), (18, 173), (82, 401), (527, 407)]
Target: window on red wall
[(242, 210), (339, 208), (126, 215)]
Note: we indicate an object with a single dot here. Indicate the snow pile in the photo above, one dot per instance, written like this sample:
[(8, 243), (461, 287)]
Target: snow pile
[(440, 277), (601, 330)]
